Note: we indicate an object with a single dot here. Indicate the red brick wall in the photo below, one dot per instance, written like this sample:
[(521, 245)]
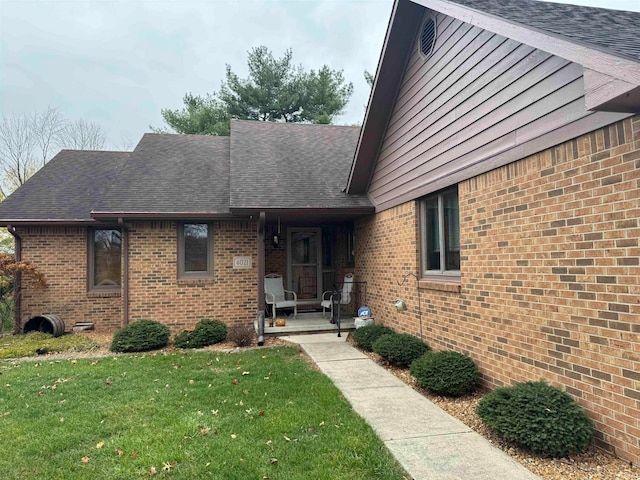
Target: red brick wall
[(550, 276), (155, 293), (61, 254)]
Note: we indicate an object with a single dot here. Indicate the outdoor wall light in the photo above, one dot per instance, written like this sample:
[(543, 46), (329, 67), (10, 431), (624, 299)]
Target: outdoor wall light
[(275, 240), (400, 305)]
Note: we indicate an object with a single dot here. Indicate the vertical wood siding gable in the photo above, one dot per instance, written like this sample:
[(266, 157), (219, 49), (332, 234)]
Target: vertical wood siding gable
[(477, 96)]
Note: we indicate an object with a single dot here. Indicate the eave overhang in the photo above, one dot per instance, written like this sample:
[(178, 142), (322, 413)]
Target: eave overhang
[(403, 26), (47, 222), (108, 216), (309, 214)]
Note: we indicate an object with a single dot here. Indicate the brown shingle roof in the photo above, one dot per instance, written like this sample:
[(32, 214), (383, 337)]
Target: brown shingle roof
[(173, 174), (615, 31), (66, 188), (292, 166)]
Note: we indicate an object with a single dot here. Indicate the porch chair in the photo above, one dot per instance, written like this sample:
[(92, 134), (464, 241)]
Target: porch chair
[(345, 298), (276, 296)]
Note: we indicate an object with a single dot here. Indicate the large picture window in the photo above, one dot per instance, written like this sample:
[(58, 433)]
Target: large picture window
[(194, 250), (105, 257), (441, 233)]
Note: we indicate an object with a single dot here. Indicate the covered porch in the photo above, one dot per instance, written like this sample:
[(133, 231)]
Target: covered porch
[(312, 254)]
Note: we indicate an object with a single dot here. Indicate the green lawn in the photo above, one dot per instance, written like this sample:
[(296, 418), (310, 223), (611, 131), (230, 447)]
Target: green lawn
[(16, 346), (260, 414)]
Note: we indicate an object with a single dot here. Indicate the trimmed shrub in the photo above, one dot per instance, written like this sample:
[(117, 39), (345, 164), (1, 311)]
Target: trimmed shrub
[(446, 373), (242, 335), (140, 336), (365, 336), (539, 417), (181, 340), (400, 349), (207, 332)]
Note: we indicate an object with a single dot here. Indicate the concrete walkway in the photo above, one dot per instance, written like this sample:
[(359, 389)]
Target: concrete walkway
[(429, 443)]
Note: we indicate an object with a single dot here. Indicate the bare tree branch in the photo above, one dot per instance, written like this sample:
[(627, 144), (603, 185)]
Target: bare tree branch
[(17, 145), (28, 141), (47, 127), (82, 135)]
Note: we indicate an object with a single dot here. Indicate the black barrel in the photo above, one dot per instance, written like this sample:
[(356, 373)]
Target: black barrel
[(52, 324)]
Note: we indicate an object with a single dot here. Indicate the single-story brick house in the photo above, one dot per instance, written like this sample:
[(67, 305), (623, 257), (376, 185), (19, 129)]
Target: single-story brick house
[(496, 179)]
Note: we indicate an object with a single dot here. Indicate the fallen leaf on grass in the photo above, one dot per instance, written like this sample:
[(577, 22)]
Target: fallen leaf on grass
[(273, 461), (108, 381), (100, 445), (233, 435), (84, 459), (152, 471), (245, 373), (261, 413), (119, 451), (287, 438), (205, 430), (235, 381)]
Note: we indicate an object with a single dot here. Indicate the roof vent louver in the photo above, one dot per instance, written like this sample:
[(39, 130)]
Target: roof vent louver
[(427, 38)]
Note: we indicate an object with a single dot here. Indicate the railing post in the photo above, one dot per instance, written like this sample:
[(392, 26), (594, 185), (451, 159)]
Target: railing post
[(335, 299)]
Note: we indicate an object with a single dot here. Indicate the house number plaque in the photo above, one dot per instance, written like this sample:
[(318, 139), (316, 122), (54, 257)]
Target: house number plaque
[(242, 262)]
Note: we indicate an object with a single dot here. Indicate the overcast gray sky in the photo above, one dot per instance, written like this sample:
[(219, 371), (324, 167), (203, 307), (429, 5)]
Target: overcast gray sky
[(119, 62)]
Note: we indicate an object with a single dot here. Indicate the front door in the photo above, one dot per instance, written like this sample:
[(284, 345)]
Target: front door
[(304, 262)]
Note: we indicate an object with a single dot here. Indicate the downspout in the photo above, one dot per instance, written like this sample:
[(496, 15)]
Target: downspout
[(260, 268), (125, 276), (17, 289)]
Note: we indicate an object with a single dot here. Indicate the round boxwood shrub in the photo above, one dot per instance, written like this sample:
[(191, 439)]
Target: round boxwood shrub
[(400, 349), (365, 336), (140, 336), (539, 417), (446, 373), (206, 332)]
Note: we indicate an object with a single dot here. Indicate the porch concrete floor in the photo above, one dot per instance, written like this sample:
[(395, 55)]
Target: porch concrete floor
[(308, 322)]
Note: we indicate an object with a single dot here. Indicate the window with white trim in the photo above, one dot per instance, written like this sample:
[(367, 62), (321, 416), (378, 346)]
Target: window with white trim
[(441, 233)]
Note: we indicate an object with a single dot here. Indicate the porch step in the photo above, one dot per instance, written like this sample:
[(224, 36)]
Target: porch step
[(307, 323)]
